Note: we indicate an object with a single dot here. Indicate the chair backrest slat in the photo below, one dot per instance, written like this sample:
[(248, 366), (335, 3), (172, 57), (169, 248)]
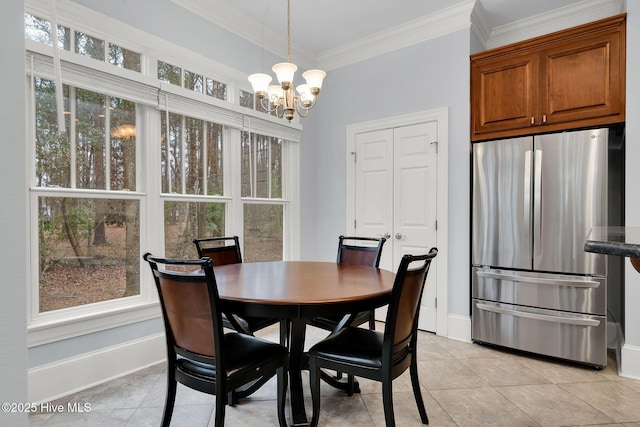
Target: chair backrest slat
[(367, 253), (218, 249), (189, 302), (402, 316), (188, 313)]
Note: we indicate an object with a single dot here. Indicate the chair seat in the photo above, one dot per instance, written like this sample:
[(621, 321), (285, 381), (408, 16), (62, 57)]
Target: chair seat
[(241, 352), (354, 346)]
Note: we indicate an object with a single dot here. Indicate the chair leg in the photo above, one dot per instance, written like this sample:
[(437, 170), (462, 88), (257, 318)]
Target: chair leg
[(351, 384), (415, 383), (282, 394), (372, 320), (171, 396), (232, 398), (221, 405), (314, 379), (387, 401)]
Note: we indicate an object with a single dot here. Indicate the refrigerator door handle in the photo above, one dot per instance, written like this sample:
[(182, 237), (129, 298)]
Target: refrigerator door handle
[(536, 316), (537, 201), (527, 189), (540, 280)]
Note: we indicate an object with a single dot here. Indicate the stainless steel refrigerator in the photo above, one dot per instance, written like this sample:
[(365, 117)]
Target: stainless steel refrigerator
[(535, 199)]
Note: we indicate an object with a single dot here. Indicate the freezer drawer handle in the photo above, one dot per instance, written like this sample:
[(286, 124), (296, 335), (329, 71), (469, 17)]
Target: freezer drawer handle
[(535, 316), (541, 280)]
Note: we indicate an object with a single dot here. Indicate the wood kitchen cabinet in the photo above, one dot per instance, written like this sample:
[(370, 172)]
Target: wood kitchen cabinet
[(566, 80)]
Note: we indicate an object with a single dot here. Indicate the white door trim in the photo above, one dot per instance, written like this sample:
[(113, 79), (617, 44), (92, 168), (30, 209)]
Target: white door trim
[(441, 115)]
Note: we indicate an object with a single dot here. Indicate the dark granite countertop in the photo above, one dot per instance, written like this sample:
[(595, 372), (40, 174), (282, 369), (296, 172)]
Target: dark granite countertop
[(621, 241)]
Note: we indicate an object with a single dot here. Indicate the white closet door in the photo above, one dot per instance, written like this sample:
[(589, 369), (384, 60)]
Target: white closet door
[(395, 197)]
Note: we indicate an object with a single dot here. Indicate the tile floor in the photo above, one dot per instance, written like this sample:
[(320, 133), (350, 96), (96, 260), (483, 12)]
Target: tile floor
[(462, 385)]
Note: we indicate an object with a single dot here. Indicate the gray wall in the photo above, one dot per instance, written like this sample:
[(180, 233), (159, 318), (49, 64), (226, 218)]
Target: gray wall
[(13, 214), (429, 75)]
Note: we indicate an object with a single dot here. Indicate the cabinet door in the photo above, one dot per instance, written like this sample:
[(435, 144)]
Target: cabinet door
[(582, 80), (504, 93)]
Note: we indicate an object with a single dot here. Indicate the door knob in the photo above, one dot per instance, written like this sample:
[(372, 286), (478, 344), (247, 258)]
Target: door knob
[(399, 236), (385, 235)]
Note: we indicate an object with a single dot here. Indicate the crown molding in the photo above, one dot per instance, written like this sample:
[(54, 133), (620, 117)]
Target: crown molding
[(445, 21), (466, 14), (575, 14), (479, 25), (244, 26)]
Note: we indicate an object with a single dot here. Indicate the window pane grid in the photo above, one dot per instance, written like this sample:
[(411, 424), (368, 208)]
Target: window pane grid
[(261, 165), (187, 220), (89, 250), (192, 156), (88, 243), (87, 45)]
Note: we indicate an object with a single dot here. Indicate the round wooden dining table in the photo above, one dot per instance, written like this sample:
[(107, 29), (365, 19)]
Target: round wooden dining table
[(295, 291)]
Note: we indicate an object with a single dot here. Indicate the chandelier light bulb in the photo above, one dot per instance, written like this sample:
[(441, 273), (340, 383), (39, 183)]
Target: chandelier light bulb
[(260, 83), (306, 97), (285, 72), (275, 92), (314, 79)]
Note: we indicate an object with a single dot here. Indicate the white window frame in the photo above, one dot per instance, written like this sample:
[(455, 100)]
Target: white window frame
[(75, 321)]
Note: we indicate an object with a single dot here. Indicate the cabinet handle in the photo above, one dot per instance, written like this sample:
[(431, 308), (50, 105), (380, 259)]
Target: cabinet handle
[(533, 120), (544, 118)]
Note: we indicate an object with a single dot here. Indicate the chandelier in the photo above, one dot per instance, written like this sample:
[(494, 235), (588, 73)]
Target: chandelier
[(281, 98)]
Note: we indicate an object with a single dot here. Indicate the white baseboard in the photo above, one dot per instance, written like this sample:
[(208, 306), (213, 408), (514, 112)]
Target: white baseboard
[(629, 361), (59, 379), (459, 327)]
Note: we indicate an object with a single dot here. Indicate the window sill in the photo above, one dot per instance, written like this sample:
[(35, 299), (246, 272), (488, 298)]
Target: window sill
[(51, 327)]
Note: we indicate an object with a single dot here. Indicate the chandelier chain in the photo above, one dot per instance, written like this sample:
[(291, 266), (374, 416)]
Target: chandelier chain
[(288, 30)]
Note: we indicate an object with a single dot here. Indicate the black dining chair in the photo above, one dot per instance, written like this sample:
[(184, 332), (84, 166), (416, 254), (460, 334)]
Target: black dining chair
[(199, 354), (360, 251), (223, 251), (379, 356)]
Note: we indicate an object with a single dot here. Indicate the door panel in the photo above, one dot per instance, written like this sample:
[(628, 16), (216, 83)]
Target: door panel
[(415, 181), (573, 199), (502, 201), (374, 187)]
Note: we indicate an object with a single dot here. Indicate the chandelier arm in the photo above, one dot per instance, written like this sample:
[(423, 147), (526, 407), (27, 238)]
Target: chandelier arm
[(305, 110), (266, 107)]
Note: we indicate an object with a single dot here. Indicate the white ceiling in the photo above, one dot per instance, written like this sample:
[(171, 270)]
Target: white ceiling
[(322, 25)]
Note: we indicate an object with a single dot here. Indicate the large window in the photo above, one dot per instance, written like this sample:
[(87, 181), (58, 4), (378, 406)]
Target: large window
[(263, 208), (88, 246), (142, 164), (191, 166)]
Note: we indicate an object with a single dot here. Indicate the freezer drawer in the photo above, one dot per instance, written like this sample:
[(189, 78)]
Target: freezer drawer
[(570, 336), (580, 294)]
